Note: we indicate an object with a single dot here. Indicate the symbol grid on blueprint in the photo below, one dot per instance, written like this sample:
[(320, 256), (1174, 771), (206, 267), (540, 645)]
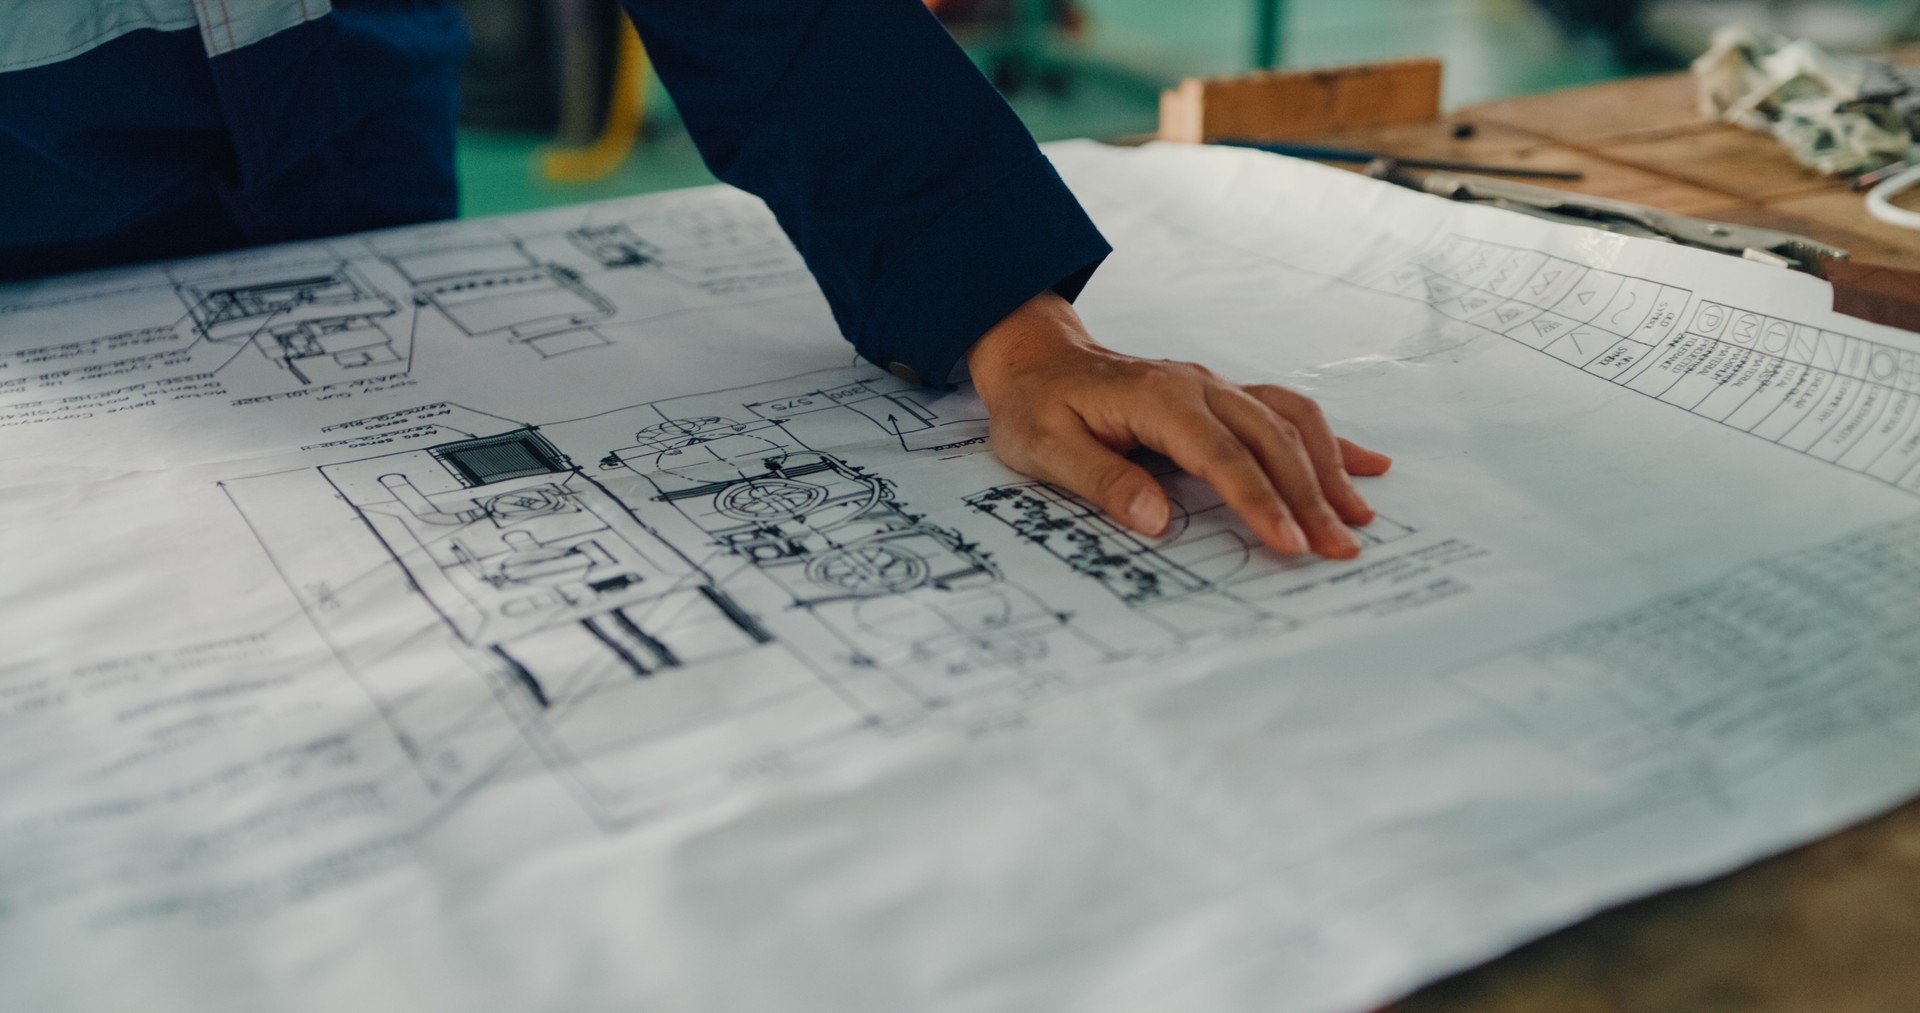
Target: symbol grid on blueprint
[(1842, 399), (1727, 679)]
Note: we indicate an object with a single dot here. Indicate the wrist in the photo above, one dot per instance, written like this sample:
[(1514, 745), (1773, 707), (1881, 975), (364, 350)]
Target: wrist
[(1040, 332)]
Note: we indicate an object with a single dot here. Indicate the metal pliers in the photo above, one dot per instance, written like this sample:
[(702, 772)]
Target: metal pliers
[(1769, 246)]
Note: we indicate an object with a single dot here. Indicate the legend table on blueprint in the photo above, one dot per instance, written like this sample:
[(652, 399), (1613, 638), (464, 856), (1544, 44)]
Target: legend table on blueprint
[(1844, 399), (550, 613)]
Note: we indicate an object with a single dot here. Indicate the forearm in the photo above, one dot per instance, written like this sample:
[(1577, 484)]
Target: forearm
[(918, 199)]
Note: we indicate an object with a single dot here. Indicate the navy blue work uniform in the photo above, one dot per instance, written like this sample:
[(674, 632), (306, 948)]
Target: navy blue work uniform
[(134, 131)]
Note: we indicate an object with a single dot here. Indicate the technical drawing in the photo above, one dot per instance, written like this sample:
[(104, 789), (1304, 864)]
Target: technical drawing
[(498, 288), (718, 250), (521, 551), (834, 539), (1197, 579), (600, 639), (319, 327), (824, 527), (695, 566), (1846, 400), (614, 246), (613, 579)]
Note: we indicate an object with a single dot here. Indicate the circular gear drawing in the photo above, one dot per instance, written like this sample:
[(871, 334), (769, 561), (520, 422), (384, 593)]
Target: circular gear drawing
[(532, 502), (770, 499), (869, 569)]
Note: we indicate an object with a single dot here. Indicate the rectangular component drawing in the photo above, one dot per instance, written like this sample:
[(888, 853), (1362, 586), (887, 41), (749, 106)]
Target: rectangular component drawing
[(319, 327), (501, 289)]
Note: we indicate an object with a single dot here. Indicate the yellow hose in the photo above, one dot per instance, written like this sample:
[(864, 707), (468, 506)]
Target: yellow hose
[(626, 108)]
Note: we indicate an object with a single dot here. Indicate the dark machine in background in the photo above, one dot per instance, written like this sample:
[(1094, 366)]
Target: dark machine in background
[(539, 66)]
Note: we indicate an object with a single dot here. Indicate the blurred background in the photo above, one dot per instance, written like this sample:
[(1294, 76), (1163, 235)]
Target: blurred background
[(560, 107)]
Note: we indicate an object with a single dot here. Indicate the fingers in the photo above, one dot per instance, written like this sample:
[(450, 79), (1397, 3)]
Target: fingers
[(1267, 451), (1323, 449), (1310, 483), (1363, 462), (1073, 459), (1206, 446)]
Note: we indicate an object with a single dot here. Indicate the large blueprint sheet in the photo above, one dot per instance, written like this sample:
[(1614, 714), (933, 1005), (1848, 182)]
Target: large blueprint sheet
[(548, 612)]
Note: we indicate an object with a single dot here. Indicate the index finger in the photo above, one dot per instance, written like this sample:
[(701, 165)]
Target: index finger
[(1204, 446)]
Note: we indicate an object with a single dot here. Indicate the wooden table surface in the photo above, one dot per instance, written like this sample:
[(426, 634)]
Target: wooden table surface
[(1834, 925), (1644, 140)]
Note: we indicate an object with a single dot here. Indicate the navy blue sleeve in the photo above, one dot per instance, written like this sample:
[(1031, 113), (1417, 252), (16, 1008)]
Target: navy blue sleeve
[(918, 199)]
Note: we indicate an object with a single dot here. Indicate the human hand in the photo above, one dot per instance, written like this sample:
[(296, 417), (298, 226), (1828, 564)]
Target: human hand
[(1065, 410)]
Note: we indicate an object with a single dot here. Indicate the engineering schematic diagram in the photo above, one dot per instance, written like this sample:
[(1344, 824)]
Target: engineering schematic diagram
[(715, 250), (1189, 582), (360, 313), (698, 570), (499, 288), (320, 325), (1846, 400)]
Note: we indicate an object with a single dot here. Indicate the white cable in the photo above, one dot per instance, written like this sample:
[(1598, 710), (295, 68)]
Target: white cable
[(1880, 200)]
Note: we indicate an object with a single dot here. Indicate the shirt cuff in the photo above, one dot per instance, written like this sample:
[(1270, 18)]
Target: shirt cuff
[(976, 263)]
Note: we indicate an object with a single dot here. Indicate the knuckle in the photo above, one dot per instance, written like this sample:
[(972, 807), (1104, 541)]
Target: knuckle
[(1201, 375), (1173, 381), (1224, 448), (1289, 435), (1292, 402), (1311, 414)]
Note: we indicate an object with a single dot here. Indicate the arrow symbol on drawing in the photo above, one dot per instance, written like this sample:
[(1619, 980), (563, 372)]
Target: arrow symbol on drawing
[(894, 420)]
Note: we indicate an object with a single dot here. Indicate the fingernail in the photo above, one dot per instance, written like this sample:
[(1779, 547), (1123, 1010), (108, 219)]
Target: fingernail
[(1348, 545), (1149, 512)]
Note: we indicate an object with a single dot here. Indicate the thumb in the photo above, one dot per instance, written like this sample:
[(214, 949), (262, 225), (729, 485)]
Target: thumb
[(1090, 469)]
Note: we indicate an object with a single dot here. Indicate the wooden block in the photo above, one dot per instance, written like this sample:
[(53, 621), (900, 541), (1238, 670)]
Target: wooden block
[(1733, 161), (1876, 292), (1641, 108), (1287, 105)]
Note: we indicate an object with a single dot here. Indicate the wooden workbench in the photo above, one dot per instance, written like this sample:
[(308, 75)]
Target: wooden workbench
[(1644, 140), (1834, 925)]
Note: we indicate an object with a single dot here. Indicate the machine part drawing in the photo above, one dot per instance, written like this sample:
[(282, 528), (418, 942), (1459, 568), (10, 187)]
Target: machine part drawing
[(500, 289), (320, 326)]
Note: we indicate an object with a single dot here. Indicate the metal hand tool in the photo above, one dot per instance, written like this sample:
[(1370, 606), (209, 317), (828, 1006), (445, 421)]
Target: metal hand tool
[(1784, 249)]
